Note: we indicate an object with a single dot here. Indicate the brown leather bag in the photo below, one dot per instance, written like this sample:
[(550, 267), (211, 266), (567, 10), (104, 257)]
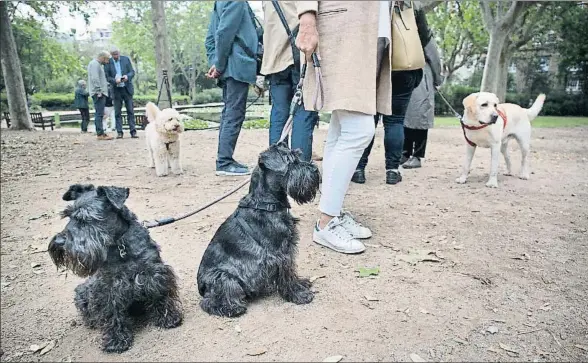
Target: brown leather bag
[(407, 52)]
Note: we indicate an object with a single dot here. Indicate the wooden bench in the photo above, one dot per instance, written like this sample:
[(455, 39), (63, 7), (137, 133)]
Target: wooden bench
[(140, 121), (40, 121)]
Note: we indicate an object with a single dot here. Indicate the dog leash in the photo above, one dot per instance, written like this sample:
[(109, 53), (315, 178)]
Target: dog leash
[(296, 102)]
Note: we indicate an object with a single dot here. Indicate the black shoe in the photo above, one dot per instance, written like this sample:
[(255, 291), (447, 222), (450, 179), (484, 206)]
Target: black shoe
[(134, 136), (393, 177), (359, 176), (119, 136), (403, 159)]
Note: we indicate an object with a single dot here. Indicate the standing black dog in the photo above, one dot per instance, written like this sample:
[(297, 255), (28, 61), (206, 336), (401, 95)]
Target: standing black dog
[(253, 252), (104, 240)]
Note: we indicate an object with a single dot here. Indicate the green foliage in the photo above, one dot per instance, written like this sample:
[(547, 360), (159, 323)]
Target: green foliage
[(557, 103), (195, 124), (460, 33), (572, 44), (256, 124)]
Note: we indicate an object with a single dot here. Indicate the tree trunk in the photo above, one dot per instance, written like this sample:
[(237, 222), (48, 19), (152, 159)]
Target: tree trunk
[(492, 65), (162, 51), (502, 78), (15, 89)]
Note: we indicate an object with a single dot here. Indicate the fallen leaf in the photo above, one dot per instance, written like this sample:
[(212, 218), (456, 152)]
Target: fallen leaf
[(314, 278), (524, 257), (415, 256), (48, 347), (507, 348), (257, 352), (416, 358), (460, 341), (371, 298), (493, 350), (492, 329), (368, 271), (583, 347), (36, 347), (333, 359), (35, 264), (237, 328)]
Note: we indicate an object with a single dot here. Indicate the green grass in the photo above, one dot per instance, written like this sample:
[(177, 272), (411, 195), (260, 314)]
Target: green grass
[(541, 121)]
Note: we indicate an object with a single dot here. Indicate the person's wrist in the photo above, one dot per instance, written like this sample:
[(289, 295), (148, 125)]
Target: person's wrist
[(308, 19)]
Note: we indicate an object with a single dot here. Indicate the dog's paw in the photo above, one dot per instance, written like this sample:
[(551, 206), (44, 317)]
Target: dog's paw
[(172, 320), (492, 184), (162, 174), (461, 180), (229, 310), (524, 176), (178, 172), (305, 282), (302, 296), (118, 341), (507, 173)]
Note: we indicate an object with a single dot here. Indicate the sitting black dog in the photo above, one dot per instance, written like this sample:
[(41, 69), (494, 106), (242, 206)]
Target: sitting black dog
[(104, 240), (253, 252)]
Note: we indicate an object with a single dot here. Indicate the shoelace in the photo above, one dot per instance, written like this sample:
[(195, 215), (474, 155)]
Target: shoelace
[(340, 231)]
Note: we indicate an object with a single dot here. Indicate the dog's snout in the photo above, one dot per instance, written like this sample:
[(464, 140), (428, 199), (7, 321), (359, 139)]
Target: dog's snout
[(494, 117), (59, 240), (176, 127)]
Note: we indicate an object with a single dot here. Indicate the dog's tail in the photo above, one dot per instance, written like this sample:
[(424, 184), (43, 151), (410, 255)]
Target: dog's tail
[(536, 108)]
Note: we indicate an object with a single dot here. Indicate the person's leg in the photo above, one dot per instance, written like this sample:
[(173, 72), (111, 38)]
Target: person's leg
[(349, 135), (359, 174), (128, 100), (84, 119), (304, 122), (403, 83), (420, 143), (233, 117), (117, 100), (99, 103), (281, 94), (408, 146)]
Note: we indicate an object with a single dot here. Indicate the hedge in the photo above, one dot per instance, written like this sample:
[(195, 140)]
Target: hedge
[(57, 101), (557, 103)]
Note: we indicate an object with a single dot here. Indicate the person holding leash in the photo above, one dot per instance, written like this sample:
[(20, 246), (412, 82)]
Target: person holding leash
[(355, 51)]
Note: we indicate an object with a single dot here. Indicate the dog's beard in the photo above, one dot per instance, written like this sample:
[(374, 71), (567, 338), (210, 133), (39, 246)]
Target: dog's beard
[(303, 182), (84, 256)]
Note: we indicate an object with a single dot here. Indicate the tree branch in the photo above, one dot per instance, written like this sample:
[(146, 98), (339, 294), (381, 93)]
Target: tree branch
[(487, 15), (513, 12)]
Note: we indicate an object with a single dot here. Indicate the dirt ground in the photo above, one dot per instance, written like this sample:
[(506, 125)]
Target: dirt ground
[(506, 280)]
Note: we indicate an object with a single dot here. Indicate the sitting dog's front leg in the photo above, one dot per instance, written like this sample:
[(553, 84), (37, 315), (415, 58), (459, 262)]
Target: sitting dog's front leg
[(111, 305), (495, 156), (82, 300), (174, 158), (166, 310), (467, 163), (292, 288)]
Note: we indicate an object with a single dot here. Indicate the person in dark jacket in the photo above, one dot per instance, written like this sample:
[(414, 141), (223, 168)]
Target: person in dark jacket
[(403, 83), (81, 103), (119, 74), (421, 109), (231, 40)]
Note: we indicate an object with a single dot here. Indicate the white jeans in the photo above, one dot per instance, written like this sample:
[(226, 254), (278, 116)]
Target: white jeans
[(349, 134)]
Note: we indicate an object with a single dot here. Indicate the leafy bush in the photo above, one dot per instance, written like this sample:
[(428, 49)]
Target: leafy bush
[(557, 103), (195, 124), (256, 124)]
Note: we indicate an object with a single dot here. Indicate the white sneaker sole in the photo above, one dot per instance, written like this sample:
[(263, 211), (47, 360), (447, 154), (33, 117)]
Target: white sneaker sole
[(321, 241), (362, 236)]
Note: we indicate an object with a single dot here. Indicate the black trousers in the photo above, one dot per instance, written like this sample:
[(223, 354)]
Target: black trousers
[(415, 142)]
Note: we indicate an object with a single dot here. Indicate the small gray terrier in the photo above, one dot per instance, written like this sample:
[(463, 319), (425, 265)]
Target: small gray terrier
[(253, 253), (104, 241)]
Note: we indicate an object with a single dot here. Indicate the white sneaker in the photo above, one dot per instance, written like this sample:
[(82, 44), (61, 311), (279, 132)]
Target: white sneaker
[(337, 238), (356, 229)]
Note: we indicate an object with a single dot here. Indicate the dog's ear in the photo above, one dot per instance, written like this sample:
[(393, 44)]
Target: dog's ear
[(272, 160), (115, 195), (76, 190), (151, 111), (469, 103)]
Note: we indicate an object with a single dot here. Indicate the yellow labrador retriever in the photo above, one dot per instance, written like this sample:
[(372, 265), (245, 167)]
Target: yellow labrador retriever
[(486, 123)]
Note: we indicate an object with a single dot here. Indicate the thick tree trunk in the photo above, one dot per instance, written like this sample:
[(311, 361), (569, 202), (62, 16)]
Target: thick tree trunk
[(502, 78), (15, 89), (492, 65), (162, 50)]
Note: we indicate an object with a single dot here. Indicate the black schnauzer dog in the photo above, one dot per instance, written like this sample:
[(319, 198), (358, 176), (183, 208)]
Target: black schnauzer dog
[(253, 252), (104, 240)]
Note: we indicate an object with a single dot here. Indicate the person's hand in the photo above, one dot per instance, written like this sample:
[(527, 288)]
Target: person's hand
[(213, 73), (99, 94), (259, 86), (308, 37), (117, 79), (124, 78)]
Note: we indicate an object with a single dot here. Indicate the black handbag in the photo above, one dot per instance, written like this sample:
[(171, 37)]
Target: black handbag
[(291, 34)]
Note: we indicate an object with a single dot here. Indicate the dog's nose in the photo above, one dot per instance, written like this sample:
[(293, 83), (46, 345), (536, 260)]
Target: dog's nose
[(176, 127), (494, 117), (59, 240)]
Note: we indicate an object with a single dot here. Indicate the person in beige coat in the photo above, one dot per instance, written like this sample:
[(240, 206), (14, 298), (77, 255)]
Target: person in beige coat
[(352, 39)]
